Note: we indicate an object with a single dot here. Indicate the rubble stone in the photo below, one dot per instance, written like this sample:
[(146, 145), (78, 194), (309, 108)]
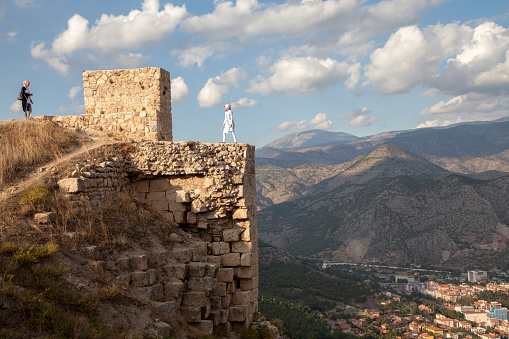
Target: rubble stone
[(45, 218)]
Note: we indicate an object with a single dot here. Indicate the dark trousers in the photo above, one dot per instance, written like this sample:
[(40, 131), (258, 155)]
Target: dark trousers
[(27, 108)]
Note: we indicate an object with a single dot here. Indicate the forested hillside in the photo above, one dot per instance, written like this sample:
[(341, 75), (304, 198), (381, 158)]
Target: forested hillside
[(292, 290)]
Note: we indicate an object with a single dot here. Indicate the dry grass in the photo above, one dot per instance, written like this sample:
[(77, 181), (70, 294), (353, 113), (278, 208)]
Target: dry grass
[(26, 144), (51, 306), (115, 224)]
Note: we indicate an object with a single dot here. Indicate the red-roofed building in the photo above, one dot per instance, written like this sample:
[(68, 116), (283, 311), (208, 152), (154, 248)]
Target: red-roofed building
[(345, 327), (433, 329), (354, 322), (452, 323), (490, 336), (424, 308), (465, 324), (413, 326)]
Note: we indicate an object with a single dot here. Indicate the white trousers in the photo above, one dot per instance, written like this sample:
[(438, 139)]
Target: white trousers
[(234, 137)]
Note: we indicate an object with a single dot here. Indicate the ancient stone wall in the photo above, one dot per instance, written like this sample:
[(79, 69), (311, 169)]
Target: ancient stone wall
[(134, 103), (208, 190)]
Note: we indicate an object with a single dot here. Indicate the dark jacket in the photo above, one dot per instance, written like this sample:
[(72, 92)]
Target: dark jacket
[(25, 95), (24, 100)]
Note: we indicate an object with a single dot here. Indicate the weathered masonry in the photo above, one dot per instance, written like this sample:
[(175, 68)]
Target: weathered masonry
[(133, 103), (207, 189)]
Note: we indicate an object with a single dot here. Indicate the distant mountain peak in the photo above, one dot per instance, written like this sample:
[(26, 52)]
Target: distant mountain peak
[(398, 160), (390, 151), (311, 138)]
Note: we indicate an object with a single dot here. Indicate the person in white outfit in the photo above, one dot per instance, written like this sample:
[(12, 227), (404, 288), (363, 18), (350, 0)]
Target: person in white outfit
[(228, 124)]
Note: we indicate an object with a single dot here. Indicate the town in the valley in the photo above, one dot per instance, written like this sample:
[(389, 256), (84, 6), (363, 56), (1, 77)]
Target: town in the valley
[(411, 305)]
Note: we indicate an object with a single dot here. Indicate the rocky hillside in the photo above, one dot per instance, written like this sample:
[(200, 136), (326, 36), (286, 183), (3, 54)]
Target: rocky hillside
[(276, 184), (444, 221), (494, 163)]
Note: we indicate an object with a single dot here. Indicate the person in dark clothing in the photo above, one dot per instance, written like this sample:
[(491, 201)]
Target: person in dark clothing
[(26, 100)]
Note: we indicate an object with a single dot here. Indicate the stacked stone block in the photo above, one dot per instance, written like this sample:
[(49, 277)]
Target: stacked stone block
[(134, 103), (208, 190), (92, 181)]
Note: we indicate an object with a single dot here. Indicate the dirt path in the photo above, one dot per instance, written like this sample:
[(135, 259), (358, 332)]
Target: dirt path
[(88, 145)]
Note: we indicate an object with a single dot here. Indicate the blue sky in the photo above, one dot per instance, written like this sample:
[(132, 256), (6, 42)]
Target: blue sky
[(356, 66)]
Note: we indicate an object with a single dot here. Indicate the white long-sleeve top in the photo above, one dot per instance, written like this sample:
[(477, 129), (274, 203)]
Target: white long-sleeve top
[(229, 125)]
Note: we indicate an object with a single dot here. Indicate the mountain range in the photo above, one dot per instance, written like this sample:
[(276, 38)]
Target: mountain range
[(445, 147), (311, 138), (394, 203)]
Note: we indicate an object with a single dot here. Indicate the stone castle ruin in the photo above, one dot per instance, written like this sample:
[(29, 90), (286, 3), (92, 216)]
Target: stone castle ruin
[(133, 103), (207, 189)]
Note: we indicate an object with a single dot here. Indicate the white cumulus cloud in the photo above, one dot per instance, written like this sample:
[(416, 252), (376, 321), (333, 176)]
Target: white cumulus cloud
[(360, 117), (74, 91), (318, 122), (316, 27), (481, 65), (435, 123), (25, 3), (16, 106), (244, 102), (212, 93), (468, 64), (346, 19), (179, 90), (470, 107), (476, 60), (412, 56), (305, 75), (111, 35), (194, 55)]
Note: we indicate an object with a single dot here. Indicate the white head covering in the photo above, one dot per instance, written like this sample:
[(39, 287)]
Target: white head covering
[(227, 106), (26, 83)]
